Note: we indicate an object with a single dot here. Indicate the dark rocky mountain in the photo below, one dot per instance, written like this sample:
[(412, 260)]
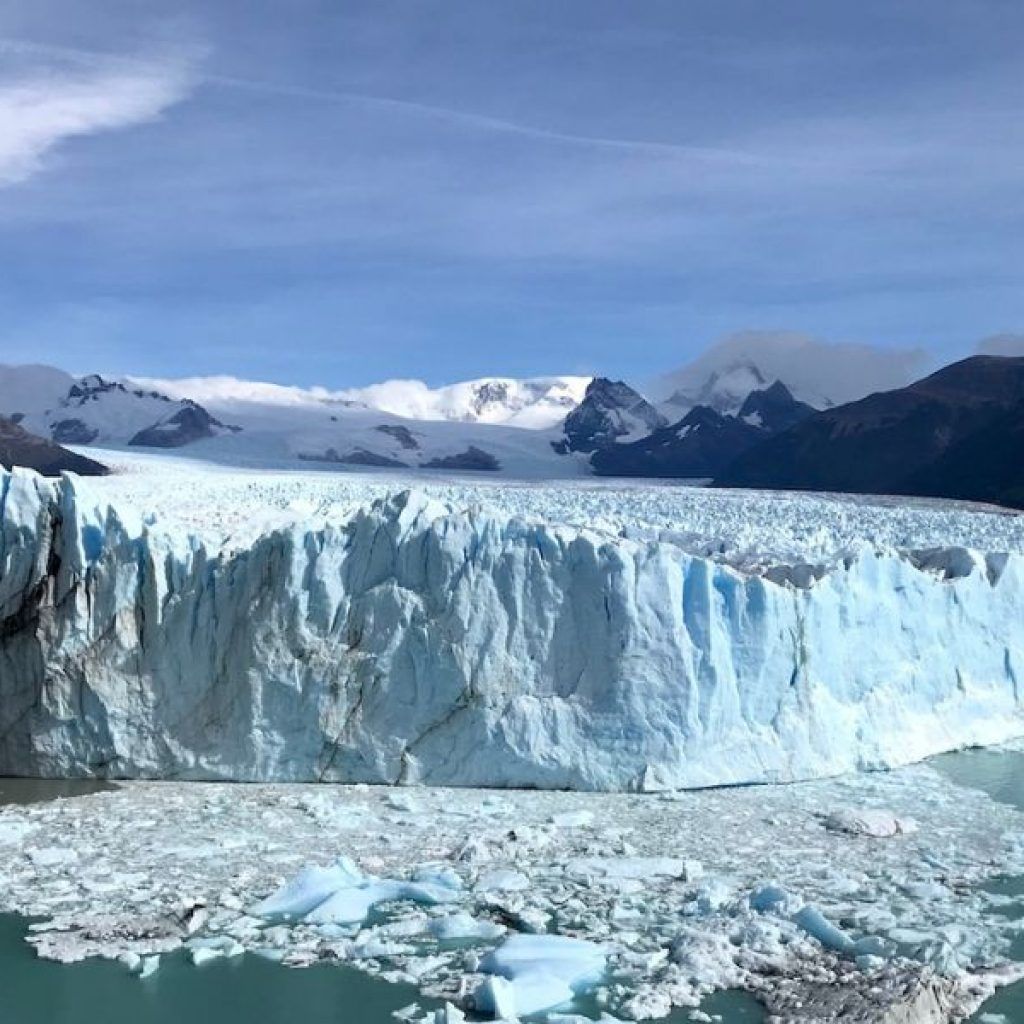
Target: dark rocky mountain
[(474, 459), (356, 457), (20, 448), (696, 447), (774, 409), (954, 434), (190, 423), (610, 409), (704, 442), (403, 435)]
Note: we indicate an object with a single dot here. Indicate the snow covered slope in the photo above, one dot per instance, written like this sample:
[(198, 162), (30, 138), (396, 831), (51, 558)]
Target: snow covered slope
[(414, 640), (533, 403), (97, 410), (496, 425)]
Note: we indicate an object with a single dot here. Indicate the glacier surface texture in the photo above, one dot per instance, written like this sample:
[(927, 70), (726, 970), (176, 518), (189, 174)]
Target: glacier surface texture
[(414, 641)]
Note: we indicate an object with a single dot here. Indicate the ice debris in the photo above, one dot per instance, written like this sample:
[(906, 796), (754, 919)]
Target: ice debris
[(342, 894), (530, 973)]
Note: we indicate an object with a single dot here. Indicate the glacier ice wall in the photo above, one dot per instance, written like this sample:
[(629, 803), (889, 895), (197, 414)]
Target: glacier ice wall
[(415, 643)]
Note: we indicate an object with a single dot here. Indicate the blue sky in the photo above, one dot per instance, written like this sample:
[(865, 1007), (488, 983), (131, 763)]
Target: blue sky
[(340, 192)]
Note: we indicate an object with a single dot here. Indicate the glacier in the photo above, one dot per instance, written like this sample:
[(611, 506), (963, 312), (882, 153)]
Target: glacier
[(410, 640)]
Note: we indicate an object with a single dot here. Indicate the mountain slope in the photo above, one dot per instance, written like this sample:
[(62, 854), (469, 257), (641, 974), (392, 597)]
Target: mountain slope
[(610, 410), (695, 447), (704, 442), (20, 448), (953, 434), (97, 410), (533, 403), (774, 409)]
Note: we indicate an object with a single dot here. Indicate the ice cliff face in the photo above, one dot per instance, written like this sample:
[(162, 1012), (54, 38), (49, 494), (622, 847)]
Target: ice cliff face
[(413, 643)]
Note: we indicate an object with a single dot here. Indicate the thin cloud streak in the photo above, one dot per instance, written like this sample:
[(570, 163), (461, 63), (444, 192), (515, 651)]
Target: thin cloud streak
[(40, 109), (463, 118)]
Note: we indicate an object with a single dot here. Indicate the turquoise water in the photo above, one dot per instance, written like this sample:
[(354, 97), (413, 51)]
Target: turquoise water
[(1000, 773), (241, 990), (244, 989)]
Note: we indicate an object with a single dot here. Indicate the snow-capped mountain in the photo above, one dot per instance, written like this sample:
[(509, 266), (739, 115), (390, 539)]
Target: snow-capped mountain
[(533, 403), (96, 410), (611, 411), (479, 426), (704, 442), (820, 374), (723, 390)]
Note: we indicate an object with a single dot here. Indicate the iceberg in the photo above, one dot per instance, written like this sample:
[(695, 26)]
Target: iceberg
[(414, 641), (343, 895), (531, 973)]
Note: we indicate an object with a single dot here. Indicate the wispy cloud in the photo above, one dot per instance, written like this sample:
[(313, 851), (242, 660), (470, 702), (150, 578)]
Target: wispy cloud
[(61, 95)]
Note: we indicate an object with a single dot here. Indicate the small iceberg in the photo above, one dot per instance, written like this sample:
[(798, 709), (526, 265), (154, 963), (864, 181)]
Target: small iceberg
[(532, 973), (342, 894)]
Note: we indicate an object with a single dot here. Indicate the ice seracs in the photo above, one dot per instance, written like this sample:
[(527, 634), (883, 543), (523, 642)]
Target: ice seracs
[(415, 641)]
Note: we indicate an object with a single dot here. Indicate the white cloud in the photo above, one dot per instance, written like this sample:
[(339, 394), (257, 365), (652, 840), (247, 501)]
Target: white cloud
[(1002, 345), (820, 372), (40, 109)]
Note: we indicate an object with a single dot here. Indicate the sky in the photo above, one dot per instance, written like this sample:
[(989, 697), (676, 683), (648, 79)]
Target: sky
[(340, 192)]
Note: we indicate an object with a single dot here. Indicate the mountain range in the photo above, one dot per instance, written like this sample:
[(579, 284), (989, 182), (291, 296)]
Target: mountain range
[(955, 434), (951, 434)]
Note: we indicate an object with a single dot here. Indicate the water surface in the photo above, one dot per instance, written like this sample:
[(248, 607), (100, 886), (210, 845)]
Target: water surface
[(1000, 773), (34, 791)]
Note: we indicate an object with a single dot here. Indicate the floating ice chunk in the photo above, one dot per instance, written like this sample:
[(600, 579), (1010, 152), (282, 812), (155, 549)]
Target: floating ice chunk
[(437, 875), (464, 926), (131, 960), (693, 870), (769, 899), (204, 954), (205, 949), (713, 895), (150, 965), (342, 894), (864, 821), (629, 867), (496, 996), (52, 856), (503, 880), (531, 973), (449, 1014), (14, 831), (308, 890), (819, 927), (572, 819), (402, 802)]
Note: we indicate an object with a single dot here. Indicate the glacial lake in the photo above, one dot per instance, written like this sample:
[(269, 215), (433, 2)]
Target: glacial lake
[(1000, 773), (251, 988)]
